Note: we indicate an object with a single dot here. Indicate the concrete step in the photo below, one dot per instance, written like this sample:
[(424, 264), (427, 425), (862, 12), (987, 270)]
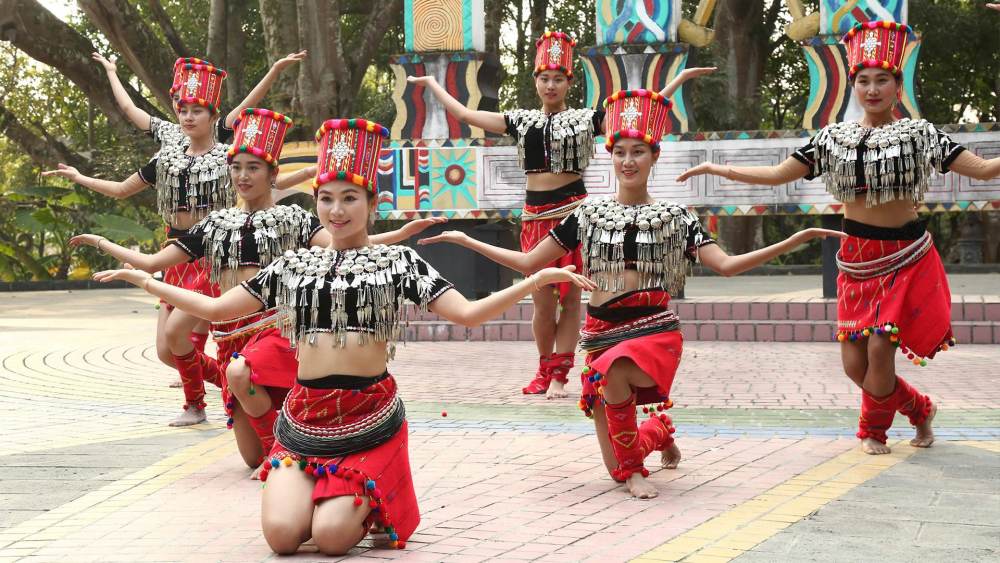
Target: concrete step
[(975, 319)]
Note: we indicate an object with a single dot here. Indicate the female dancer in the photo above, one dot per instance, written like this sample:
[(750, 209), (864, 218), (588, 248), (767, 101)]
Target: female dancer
[(555, 145), (191, 179), (341, 465), (237, 242), (636, 250), (892, 291)]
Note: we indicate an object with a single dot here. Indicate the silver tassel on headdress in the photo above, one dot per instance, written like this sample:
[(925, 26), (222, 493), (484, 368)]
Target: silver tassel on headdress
[(661, 241), (898, 161)]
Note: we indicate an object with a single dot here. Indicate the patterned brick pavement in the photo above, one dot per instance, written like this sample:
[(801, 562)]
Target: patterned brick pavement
[(503, 477)]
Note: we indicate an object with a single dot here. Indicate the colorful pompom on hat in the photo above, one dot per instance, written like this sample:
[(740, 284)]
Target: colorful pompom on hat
[(348, 149), (198, 82), (636, 114), (554, 51), (876, 44), (260, 132)]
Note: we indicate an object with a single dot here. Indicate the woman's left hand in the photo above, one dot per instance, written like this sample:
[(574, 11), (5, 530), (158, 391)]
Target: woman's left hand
[(689, 73), (807, 235), (291, 59), (129, 274), (547, 276), (418, 226)]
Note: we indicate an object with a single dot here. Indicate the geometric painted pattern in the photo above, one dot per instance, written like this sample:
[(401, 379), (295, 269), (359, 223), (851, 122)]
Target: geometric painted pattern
[(838, 16), (637, 21)]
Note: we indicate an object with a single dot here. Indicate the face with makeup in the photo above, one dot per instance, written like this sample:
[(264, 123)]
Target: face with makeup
[(195, 120), (633, 160), (551, 86), (344, 210), (876, 90), (251, 176)]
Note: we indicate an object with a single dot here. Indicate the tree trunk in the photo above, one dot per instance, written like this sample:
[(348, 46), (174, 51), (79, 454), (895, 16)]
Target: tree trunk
[(161, 18), (236, 39), (215, 50), (279, 22), (143, 51)]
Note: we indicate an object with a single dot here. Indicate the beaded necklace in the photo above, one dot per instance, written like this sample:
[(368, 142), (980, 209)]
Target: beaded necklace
[(569, 136)]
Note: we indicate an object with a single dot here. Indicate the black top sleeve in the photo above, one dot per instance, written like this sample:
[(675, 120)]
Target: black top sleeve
[(264, 283), (697, 237), (314, 227), (511, 126), (951, 152), (598, 123), (222, 133), (148, 172), (567, 233), (415, 290), (192, 242), (807, 155)]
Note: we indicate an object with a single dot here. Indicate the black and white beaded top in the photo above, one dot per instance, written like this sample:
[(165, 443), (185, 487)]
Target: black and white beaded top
[(554, 142)]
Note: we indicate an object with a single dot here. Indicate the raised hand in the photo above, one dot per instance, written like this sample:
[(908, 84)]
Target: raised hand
[(993, 6), (454, 237), (418, 226), (421, 80), (689, 73), (548, 276), (86, 240), (64, 171), (110, 65), (129, 274), (703, 168), (289, 60)]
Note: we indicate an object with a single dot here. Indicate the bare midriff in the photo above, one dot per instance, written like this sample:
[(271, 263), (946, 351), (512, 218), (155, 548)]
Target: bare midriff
[(243, 273), (891, 214), (632, 279), (547, 181), (326, 357), (183, 220)]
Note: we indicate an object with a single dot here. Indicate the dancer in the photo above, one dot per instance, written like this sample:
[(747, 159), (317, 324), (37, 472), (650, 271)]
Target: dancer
[(340, 465), (892, 291), (191, 179), (554, 146), (237, 242), (636, 250)]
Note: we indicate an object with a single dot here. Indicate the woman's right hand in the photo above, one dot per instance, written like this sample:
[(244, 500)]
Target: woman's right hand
[(109, 65), (703, 168), (86, 239), (547, 276), (421, 80), (454, 237), (129, 274), (64, 171)]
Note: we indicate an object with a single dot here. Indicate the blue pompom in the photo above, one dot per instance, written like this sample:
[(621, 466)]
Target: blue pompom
[(320, 471), (236, 355), (333, 468), (394, 536), (370, 484), (275, 463)]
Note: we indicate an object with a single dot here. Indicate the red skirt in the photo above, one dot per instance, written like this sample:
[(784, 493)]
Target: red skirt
[(379, 477), (189, 275), (534, 231), (657, 354), (272, 360), (911, 304)]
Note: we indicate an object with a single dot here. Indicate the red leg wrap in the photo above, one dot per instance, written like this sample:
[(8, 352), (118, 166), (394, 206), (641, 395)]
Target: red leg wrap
[(198, 339), (876, 416), (195, 368), (656, 434), (625, 439), (540, 383), (264, 427), (911, 403), (559, 366)]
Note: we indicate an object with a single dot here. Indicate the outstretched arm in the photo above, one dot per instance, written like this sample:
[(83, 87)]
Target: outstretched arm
[(118, 190), (974, 166), (262, 87), (138, 117), (169, 256), (408, 230), (716, 259), (236, 302), (524, 262), (684, 76), (457, 309), (487, 120), (788, 171)]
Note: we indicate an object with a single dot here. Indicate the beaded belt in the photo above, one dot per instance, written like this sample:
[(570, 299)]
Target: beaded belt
[(887, 264), (664, 321), (560, 212), (340, 440), (265, 320)]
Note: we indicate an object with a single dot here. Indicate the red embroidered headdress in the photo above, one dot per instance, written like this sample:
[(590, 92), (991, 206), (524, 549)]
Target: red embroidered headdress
[(198, 82), (878, 44), (348, 150), (554, 51), (260, 132), (636, 114)]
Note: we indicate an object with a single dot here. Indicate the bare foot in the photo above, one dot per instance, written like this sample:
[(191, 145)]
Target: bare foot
[(925, 435), (671, 456), (256, 473), (872, 446), (640, 487), (557, 390), (192, 415), (177, 384)]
